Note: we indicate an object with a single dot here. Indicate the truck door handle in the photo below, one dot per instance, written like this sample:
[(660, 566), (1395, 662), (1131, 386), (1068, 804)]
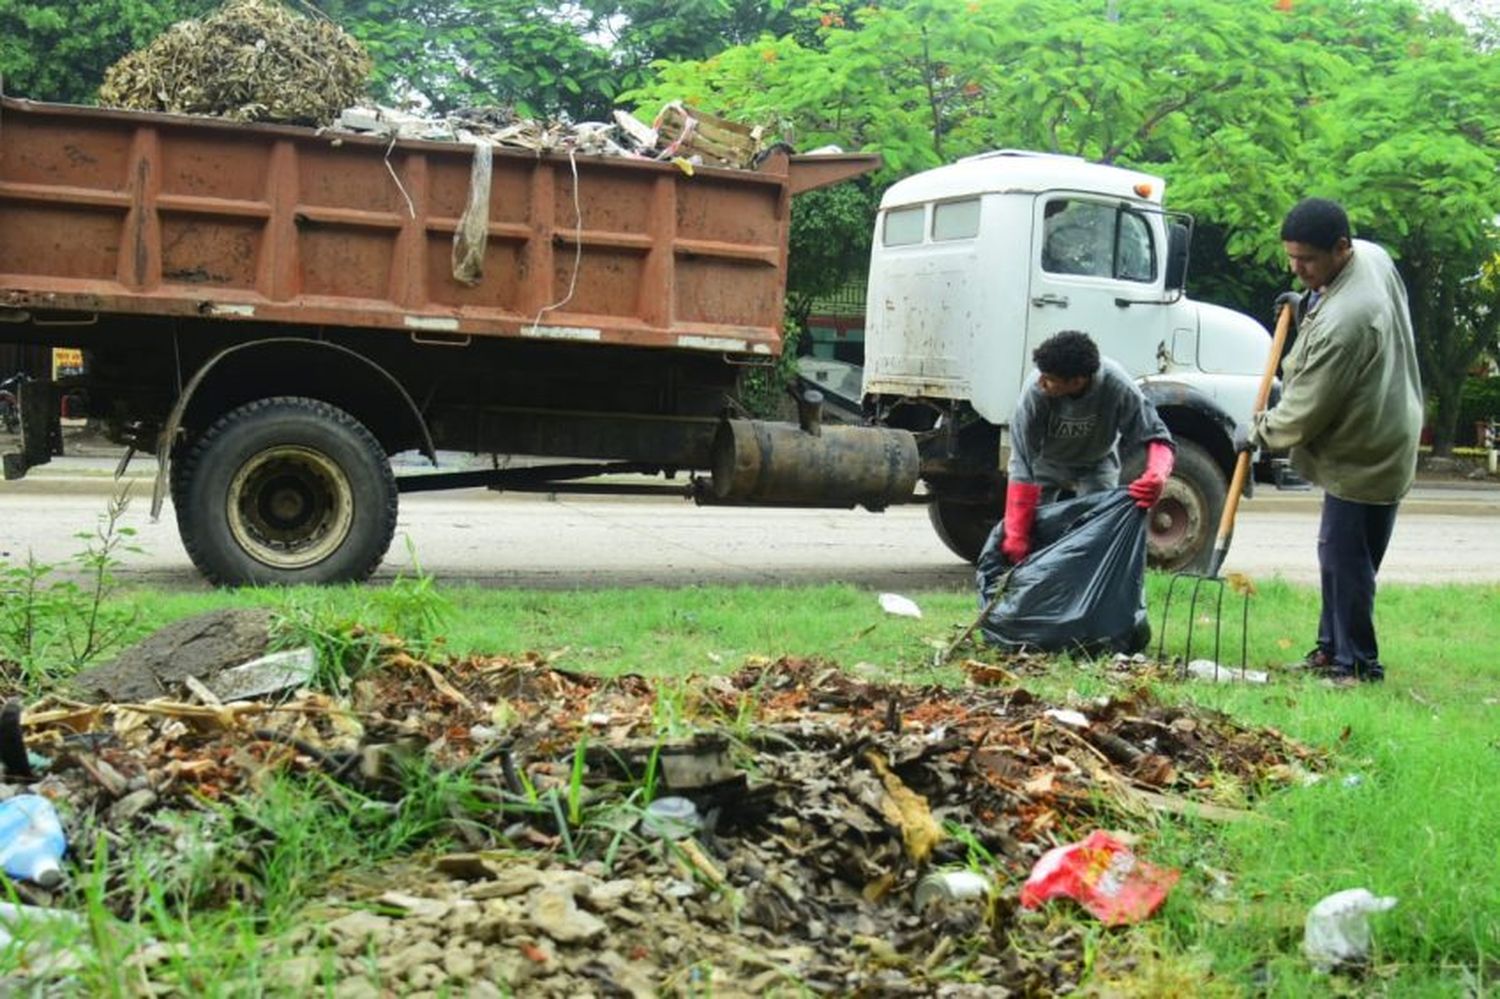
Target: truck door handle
[(1059, 300)]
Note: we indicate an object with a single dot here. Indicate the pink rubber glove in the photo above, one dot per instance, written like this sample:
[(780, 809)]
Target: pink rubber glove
[(1146, 490), (1021, 499)]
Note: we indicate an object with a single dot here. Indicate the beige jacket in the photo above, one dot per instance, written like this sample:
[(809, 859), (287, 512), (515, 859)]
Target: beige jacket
[(1351, 405)]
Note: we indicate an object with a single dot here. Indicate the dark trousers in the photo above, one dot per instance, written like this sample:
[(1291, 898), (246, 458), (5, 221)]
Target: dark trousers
[(1352, 539)]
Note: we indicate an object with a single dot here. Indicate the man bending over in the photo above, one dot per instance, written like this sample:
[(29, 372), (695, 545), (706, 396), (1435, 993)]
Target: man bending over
[(1075, 415)]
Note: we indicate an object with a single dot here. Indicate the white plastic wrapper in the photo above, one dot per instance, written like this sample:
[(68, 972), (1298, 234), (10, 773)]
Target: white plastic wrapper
[(895, 603), (1338, 928)]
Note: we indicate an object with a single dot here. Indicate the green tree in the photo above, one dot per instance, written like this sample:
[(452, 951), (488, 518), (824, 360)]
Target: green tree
[(59, 50), (1415, 156), (830, 242), (533, 57), (1200, 88)]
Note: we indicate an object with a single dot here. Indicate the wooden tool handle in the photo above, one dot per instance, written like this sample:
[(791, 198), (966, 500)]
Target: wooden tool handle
[(1242, 463)]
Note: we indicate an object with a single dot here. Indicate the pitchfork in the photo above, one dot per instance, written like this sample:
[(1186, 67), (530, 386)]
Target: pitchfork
[(1212, 580)]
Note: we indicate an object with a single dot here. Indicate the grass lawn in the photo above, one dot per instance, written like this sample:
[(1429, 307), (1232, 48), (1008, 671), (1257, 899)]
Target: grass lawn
[(1417, 817)]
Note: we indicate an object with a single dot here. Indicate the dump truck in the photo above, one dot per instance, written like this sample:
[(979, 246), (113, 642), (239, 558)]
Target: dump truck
[(272, 312)]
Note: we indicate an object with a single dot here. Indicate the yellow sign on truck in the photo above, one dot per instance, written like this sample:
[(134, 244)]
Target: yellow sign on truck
[(66, 361)]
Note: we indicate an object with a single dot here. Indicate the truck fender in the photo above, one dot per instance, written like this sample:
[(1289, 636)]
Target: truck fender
[(179, 408), (1191, 413)]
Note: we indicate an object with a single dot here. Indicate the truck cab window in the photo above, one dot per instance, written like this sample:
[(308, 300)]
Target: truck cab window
[(1079, 238), (1136, 256), (903, 226), (1097, 240), (955, 220)]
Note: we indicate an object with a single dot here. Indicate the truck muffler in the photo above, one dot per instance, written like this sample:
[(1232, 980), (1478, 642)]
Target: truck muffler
[(779, 464)]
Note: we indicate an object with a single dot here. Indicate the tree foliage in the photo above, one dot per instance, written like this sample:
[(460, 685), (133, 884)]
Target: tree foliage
[(1419, 150), (1244, 106), (58, 51), (533, 57)]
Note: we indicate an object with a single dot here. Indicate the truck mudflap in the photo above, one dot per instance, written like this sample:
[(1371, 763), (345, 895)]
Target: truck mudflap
[(41, 429), (771, 464)]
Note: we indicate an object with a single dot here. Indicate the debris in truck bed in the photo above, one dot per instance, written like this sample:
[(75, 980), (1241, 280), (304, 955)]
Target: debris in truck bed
[(708, 139), (677, 136), (820, 803), (501, 127), (257, 60), (251, 60)]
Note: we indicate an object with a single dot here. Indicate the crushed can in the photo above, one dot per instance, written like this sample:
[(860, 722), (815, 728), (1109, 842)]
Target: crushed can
[(943, 888)]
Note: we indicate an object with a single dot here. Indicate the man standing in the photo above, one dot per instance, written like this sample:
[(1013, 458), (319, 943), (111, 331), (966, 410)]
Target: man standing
[(1072, 420), (1351, 413)]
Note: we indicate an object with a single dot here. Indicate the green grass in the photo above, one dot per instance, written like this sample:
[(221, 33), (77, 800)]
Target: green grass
[(1421, 824), (1420, 821), (655, 631)]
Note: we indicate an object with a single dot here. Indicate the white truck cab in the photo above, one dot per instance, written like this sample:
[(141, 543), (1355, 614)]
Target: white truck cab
[(974, 264)]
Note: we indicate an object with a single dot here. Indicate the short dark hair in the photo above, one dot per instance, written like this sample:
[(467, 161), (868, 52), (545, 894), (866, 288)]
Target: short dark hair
[(1068, 354), (1317, 222)]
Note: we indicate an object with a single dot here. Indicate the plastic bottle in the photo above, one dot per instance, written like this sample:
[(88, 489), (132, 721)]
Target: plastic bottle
[(31, 839)]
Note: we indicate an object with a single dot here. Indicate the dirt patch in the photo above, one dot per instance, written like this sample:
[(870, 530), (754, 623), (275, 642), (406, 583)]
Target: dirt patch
[(199, 646)]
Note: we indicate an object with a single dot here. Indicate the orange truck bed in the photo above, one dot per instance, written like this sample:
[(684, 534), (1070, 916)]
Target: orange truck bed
[(116, 212)]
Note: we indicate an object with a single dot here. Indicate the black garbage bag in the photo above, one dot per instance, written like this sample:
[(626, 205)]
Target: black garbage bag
[(1080, 589)]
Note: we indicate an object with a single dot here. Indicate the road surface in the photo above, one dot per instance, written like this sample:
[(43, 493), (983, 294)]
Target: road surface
[(474, 536)]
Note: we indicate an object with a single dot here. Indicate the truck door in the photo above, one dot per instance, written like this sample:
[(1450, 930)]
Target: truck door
[(1088, 251)]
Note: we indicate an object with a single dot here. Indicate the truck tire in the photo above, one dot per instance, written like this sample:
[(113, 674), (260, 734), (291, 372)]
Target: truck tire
[(1180, 530), (286, 490), (963, 527)]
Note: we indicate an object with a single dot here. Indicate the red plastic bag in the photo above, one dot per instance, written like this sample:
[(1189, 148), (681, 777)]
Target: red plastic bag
[(1103, 876)]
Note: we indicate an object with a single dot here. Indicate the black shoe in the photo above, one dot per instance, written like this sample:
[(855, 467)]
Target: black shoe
[(1316, 661), (1370, 672), (1340, 676)]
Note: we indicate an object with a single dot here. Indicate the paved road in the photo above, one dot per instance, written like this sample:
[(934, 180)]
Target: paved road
[(1442, 535)]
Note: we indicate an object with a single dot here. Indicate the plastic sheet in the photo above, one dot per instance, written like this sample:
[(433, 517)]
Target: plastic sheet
[(1081, 587)]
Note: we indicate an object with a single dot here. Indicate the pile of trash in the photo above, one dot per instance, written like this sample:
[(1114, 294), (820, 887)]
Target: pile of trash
[(786, 825), (251, 60), (681, 134)]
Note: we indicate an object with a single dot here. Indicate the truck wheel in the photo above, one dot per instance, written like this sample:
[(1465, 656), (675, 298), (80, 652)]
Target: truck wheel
[(1183, 522), (963, 527), (283, 491)]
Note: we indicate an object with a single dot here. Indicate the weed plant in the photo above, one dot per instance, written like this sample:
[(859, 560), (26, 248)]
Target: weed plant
[(348, 628), (50, 625)]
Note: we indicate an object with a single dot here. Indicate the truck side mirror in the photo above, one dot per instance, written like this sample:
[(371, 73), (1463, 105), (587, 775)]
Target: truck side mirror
[(1179, 237)]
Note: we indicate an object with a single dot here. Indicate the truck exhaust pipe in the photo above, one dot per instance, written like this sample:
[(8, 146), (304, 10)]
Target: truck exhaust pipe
[(780, 464)]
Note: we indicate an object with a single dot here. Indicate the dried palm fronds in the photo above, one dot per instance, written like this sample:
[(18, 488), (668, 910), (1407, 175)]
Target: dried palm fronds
[(251, 60)]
